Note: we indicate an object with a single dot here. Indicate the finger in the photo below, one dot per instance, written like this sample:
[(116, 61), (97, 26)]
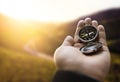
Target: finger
[(79, 26), (80, 23), (88, 22), (68, 41), (76, 39), (102, 35), (94, 23)]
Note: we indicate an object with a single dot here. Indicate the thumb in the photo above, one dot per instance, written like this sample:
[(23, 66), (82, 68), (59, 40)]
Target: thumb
[(68, 41)]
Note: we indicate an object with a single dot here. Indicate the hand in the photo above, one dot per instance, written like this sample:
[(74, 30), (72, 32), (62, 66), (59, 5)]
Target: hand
[(68, 56)]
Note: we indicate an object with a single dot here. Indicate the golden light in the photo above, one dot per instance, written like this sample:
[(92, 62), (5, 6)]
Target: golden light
[(53, 10)]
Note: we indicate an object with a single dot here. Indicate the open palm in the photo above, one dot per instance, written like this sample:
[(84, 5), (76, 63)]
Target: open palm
[(69, 57)]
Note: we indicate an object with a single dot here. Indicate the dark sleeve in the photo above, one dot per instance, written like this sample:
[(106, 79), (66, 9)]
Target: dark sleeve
[(67, 76)]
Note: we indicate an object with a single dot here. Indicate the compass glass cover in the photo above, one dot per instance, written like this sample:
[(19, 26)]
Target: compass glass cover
[(88, 33)]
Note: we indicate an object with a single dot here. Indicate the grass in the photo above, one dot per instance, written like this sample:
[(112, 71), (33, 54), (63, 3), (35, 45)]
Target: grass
[(21, 67)]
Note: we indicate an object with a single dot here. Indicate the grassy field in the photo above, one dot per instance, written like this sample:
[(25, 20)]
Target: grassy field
[(21, 67)]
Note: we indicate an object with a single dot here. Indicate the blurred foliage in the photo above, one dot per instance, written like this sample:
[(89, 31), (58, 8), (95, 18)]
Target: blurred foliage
[(17, 66), (114, 75), (16, 34), (22, 67), (46, 37)]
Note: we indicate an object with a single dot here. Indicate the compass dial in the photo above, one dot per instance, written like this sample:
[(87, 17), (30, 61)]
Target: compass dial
[(88, 34)]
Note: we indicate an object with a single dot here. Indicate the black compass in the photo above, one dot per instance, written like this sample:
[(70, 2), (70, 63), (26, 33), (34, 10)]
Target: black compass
[(88, 34)]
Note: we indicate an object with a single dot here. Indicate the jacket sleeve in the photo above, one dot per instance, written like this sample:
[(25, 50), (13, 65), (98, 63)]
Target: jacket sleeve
[(67, 76)]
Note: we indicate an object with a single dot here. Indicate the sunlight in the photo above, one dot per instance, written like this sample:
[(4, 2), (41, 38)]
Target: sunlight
[(18, 9), (53, 10)]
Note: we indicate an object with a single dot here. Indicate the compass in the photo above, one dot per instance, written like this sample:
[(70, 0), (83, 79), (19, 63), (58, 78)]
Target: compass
[(88, 34)]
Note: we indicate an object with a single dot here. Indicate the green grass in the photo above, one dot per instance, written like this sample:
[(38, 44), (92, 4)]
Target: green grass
[(21, 67)]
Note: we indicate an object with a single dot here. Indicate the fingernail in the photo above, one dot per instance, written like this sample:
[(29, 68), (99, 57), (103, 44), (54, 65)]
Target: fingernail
[(101, 27)]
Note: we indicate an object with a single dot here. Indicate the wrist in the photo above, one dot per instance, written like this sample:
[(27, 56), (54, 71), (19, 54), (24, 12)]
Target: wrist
[(91, 74), (69, 76)]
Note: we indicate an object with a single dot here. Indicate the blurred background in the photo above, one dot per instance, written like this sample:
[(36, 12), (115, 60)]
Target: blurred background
[(31, 30)]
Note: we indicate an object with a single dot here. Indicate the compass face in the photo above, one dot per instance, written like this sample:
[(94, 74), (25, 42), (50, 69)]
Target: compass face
[(88, 34)]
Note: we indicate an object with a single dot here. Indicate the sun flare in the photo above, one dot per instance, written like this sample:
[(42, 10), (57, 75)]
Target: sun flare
[(52, 10)]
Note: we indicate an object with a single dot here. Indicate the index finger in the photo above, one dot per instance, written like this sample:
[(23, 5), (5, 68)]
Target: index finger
[(79, 26)]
